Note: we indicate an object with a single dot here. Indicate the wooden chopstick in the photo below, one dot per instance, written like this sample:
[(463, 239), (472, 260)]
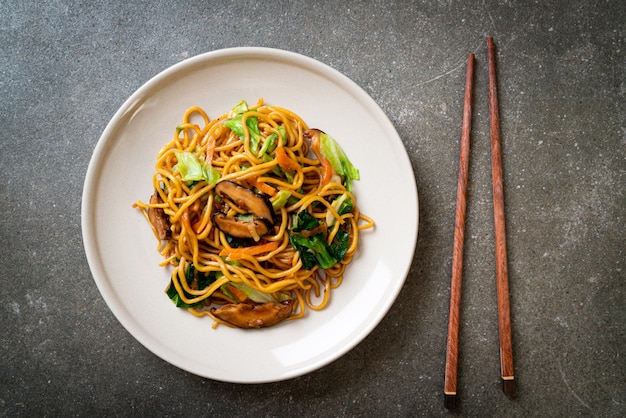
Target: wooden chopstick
[(502, 277), (452, 350)]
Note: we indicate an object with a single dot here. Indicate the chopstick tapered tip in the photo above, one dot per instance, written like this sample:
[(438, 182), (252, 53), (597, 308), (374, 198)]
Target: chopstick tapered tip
[(508, 386), (449, 400)]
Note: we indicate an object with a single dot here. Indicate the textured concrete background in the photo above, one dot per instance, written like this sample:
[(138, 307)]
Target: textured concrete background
[(66, 67)]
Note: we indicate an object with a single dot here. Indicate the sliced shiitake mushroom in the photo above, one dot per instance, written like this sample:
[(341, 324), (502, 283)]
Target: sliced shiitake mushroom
[(254, 228), (261, 219), (158, 218), (244, 315), (247, 199)]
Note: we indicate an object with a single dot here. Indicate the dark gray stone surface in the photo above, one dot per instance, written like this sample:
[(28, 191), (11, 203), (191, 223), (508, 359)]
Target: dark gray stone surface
[(65, 68)]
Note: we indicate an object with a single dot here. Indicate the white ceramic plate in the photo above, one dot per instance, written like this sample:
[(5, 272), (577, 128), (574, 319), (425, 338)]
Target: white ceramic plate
[(121, 249)]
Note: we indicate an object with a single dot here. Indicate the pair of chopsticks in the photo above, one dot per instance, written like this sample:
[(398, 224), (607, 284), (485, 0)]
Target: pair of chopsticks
[(504, 315)]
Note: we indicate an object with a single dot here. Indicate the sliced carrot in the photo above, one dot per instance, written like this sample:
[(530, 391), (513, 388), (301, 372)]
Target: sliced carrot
[(262, 186), (239, 295), (327, 169), (210, 149), (213, 133), (285, 162), (196, 226), (239, 252), (186, 222)]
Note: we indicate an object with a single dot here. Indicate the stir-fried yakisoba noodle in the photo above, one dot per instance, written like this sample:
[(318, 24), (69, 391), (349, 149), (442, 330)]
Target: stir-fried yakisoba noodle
[(254, 212)]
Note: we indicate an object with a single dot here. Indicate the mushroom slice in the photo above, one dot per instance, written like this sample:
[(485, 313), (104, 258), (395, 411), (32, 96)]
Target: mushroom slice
[(245, 198), (245, 315), (254, 228), (158, 218)]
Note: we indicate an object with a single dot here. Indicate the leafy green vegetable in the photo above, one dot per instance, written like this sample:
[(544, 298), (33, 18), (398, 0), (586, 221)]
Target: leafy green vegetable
[(191, 168), (279, 172), (203, 279), (343, 204), (253, 294), (269, 145), (276, 170), (282, 197), (239, 108), (339, 160), (339, 246), (252, 124), (271, 142), (235, 123), (283, 133), (304, 221), (314, 250), (175, 297), (244, 217), (239, 242)]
